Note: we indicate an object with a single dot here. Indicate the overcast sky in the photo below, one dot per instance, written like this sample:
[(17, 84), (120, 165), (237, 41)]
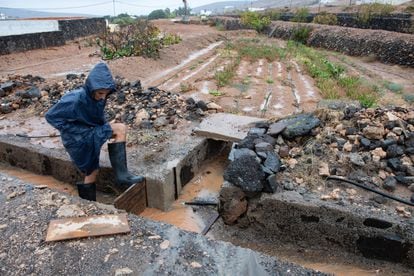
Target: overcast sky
[(102, 7)]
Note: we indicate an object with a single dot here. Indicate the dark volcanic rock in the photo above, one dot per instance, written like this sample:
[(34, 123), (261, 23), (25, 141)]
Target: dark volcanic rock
[(299, 125), (276, 128), (390, 184), (246, 173), (394, 151), (272, 162), (2, 93), (395, 164), (233, 204), (271, 185), (237, 153)]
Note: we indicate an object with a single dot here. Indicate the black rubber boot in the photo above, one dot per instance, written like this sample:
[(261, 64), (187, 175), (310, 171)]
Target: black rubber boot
[(117, 155), (87, 191)]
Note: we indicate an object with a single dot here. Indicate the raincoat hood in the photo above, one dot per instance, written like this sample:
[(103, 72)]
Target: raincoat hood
[(100, 77)]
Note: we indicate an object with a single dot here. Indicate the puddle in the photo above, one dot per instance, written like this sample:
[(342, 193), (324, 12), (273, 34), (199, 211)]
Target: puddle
[(204, 186), (50, 182)]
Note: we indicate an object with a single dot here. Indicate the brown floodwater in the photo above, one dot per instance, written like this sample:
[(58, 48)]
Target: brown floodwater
[(206, 185)]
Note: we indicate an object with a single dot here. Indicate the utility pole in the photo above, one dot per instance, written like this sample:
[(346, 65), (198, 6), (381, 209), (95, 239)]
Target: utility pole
[(113, 2)]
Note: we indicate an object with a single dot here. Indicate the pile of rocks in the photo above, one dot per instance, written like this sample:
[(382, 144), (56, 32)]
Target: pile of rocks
[(374, 147), (131, 104)]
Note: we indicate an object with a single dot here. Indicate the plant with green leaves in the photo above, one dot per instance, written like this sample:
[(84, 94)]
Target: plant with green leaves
[(301, 15), (301, 34), (139, 39), (325, 18), (255, 21)]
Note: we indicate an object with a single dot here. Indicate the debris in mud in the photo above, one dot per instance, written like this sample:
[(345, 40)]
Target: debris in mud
[(374, 147), (140, 108)]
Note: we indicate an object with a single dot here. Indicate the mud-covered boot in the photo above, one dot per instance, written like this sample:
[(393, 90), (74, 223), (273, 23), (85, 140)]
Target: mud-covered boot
[(87, 191), (117, 155)]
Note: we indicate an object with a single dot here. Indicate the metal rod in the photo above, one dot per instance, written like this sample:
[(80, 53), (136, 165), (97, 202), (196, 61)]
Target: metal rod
[(201, 203), (37, 136), (401, 200)]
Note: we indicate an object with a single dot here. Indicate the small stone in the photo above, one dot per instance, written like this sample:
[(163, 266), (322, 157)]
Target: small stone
[(155, 237), (373, 132), (292, 162), (214, 106), (165, 244), (195, 265), (347, 147), (323, 169), (123, 271), (356, 159), (70, 211), (11, 195), (2, 226), (390, 184), (379, 199), (400, 209), (412, 198), (411, 188)]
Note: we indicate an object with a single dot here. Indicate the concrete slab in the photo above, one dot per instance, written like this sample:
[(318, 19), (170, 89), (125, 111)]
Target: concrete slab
[(226, 127), (168, 162), (149, 249)]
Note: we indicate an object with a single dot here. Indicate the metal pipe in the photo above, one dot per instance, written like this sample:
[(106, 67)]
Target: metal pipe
[(401, 200)]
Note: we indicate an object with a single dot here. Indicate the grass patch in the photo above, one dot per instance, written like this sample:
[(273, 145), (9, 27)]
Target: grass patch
[(270, 81), (215, 93), (254, 51), (255, 20), (186, 87), (409, 98), (394, 87), (331, 78), (325, 18)]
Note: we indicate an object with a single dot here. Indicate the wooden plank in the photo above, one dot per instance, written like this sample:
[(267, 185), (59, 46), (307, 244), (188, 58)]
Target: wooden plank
[(81, 227), (134, 199)]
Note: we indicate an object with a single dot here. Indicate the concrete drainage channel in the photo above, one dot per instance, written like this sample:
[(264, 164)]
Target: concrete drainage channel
[(165, 180), (302, 220)]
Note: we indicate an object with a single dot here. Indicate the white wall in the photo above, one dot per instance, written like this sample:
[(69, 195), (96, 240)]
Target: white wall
[(16, 27)]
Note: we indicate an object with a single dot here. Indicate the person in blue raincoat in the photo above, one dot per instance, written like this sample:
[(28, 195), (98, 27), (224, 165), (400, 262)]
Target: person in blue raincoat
[(79, 117)]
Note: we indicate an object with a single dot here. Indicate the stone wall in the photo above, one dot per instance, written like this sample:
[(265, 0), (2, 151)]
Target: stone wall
[(81, 27), (388, 47), (68, 30), (19, 43), (394, 22)]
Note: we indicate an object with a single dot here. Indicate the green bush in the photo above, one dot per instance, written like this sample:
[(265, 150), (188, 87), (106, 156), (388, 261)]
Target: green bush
[(301, 15), (394, 87), (301, 34), (409, 9), (139, 39), (325, 19), (367, 11), (409, 98), (255, 20), (273, 14)]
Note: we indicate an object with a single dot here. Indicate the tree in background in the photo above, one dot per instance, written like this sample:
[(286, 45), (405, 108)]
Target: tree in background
[(157, 14)]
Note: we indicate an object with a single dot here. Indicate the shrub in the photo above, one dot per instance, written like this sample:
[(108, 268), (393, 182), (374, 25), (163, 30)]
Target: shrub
[(367, 11), (301, 15), (325, 19), (409, 9), (139, 39), (255, 20), (301, 34), (273, 14), (394, 87), (409, 98)]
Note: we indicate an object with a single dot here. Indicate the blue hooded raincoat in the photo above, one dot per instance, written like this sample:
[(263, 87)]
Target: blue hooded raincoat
[(81, 122)]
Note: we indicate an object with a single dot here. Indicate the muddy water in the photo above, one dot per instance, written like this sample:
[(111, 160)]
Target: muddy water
[(45, 181), (204, 186)]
